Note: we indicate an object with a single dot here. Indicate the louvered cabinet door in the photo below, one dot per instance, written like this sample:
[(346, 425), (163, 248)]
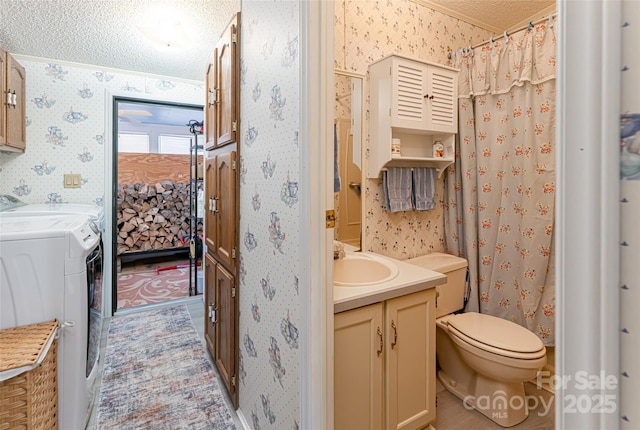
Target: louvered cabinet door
[(442, 102), (408, 95)]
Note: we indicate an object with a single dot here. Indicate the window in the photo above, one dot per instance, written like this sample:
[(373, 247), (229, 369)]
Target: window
[(130, 142), (173, 144)]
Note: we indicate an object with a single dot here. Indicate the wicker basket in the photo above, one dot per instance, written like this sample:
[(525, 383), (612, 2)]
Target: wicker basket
[(29, 400)]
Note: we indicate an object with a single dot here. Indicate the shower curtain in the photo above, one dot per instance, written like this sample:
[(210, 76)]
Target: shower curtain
[(500, 193)]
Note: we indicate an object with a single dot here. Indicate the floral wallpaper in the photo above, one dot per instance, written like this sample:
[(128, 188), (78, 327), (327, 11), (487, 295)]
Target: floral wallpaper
[(66, 127), (629, 213), (269, 376), (366, 32)]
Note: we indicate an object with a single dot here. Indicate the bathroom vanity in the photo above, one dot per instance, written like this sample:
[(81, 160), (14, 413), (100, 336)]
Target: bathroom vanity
[(384, 345)]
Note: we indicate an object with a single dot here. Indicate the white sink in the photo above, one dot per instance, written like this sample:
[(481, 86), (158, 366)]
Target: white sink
[(358, 269)]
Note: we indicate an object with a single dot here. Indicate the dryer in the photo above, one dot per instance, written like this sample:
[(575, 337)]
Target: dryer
[(11, 206), (43, 275)]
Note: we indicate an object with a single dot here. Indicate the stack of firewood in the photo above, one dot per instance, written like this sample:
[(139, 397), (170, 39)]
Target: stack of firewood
[(153, 216)]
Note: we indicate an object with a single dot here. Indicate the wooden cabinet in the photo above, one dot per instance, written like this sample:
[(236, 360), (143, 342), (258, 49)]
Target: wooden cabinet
[(358, 370), (384, 364), (221, 309), (221, 231), (13, 128), (222, 189), (210, 302), (417, 103), (209, 109), (223, 90)]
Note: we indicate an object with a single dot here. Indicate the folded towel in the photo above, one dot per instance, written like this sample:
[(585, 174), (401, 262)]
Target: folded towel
[(396, 184), (424, 188), (337, 185)]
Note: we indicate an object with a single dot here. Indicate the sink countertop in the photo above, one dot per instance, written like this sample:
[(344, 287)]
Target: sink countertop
[(410, 279)]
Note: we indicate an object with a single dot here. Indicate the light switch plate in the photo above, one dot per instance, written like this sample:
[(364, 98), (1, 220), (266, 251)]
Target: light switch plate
[(72, 180)]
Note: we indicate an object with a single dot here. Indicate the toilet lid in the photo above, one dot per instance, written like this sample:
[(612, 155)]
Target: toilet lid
[(496, 332)]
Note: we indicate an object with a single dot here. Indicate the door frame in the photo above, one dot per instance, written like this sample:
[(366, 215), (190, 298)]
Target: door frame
[(111, 187), (316, 161)]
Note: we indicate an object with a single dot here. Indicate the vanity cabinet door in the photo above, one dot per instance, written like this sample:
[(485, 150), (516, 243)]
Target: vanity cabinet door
[(410, 360), (358, 377)]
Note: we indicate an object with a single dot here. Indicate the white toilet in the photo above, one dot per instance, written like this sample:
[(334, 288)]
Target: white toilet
[(483, 360)]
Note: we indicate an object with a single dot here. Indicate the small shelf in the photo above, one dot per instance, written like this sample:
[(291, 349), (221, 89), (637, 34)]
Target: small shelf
[(440, 164)]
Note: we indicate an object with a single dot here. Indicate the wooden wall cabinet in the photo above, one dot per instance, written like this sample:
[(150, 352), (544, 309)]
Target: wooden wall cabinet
[(384, 364), (13, 127), (222, 190), (223, 90), (416, 102), (221, 310), (221, 231)]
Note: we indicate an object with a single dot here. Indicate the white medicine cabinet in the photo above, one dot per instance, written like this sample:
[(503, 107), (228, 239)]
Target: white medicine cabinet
[(413, 103)]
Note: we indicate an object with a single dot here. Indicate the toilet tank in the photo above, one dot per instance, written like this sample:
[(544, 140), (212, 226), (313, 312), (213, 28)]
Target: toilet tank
[(450, 296)]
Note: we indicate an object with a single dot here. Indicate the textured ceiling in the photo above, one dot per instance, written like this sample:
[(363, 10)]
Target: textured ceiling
[(104, 33), (496, 16)]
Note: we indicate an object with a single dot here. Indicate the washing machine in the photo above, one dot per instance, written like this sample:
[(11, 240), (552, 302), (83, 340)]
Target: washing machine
[(46, 263)]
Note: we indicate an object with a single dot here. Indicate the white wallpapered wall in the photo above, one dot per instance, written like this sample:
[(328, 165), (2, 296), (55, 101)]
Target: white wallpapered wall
[(269, 221), (366, 32), (66, 127)]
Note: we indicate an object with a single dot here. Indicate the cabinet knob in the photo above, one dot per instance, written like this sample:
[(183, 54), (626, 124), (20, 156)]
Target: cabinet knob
[(428, 97)]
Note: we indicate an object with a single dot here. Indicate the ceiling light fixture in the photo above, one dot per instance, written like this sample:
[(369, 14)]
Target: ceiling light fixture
[(165, 28)]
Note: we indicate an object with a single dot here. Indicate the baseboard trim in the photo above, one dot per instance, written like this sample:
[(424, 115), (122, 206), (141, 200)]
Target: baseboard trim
[(243, 420)]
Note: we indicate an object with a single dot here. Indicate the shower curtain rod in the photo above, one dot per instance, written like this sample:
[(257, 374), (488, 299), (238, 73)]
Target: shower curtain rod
[(511, 32)]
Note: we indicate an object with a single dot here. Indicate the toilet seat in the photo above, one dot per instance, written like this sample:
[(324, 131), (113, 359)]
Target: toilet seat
[(496, 335)]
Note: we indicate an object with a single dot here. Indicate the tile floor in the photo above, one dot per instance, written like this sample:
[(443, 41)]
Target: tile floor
[(452, 415), (196, 310)]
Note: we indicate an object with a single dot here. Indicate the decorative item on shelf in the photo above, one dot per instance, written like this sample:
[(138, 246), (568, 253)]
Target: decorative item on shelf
[(395, 147), (438, 149)]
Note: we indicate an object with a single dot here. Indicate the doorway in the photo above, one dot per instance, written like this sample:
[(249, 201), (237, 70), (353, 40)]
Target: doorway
[(157, 202)]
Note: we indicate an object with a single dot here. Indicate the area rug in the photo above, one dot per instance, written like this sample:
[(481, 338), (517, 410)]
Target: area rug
[(157, 375), (150, 286)]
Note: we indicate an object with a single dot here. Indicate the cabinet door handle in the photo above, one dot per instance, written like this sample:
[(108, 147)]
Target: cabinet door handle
[(381, 344), (395, 334)]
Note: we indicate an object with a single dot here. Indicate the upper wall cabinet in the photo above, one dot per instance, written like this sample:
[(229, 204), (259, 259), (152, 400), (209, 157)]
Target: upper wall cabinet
[(413, 106), (223, 91), (209, 110), (13, 128)]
